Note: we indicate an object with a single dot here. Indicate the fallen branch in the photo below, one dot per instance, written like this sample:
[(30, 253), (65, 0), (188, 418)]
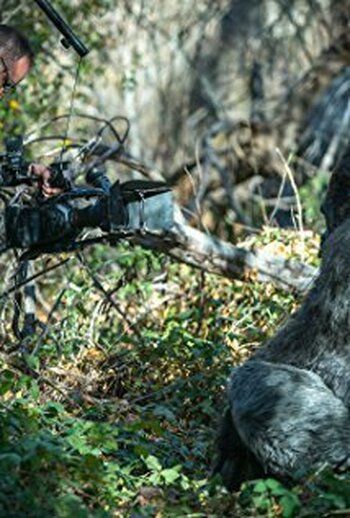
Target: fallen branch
[(193, 247), (190, 246)]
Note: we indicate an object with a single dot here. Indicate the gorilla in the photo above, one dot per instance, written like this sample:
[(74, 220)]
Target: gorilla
[(288, 405)]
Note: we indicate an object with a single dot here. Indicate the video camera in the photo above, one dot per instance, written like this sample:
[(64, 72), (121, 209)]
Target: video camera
[(52, 225), (13, 169)]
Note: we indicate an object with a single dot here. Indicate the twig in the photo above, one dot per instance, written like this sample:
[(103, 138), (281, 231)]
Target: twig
[(39, 377), (33, 277), (279, 196), (107, 295), (49, 318), (297, 197)]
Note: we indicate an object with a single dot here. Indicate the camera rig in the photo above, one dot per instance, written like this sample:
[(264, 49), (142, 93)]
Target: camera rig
[(38, 225), (88, 199)]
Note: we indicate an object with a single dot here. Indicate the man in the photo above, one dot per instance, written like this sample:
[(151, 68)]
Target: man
[(16, 60), (26, 226), (30, 226)]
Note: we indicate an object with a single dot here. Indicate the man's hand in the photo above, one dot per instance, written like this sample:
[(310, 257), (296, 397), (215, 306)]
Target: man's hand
[(44, 175)]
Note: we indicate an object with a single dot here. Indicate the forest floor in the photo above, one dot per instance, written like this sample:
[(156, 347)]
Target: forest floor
[(113, 409)]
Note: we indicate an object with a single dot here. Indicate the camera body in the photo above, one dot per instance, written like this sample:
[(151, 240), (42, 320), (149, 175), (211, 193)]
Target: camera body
[(13, 167), (53, 224)]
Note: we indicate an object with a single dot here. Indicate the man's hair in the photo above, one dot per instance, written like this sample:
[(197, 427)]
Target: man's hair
[(13, 45)]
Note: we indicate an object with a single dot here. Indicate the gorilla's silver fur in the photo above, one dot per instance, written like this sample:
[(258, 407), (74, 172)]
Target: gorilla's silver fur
[(289, 404)]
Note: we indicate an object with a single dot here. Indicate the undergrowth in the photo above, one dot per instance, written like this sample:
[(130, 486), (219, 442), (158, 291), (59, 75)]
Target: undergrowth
[(112, 409)]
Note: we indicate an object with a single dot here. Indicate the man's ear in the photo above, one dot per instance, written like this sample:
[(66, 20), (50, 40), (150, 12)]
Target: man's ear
[(3, 74), (3, 68), (20, 68)]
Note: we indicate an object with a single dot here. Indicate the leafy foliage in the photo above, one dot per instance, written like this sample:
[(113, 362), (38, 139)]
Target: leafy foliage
[(112, 409), (116, 410)]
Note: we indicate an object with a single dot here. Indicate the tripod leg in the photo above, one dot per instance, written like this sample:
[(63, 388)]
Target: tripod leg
[(24, 300)]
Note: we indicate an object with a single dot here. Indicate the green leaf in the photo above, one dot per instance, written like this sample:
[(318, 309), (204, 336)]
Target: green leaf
[(52, 408), (260, 487), (261, 502), (273, 485), (33, 362), (152, 463), (140, 450), (6, 381), (34, 390), (290, 505), (154, 478), (170, 475)]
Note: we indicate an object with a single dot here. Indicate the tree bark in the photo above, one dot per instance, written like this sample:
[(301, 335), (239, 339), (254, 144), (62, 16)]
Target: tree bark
[(193, 247)]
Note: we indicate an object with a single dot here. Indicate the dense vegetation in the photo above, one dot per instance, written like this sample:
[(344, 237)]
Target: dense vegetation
[(112, 408)]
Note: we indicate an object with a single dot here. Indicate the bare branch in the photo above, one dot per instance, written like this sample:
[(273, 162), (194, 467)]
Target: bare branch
[(193, 247)]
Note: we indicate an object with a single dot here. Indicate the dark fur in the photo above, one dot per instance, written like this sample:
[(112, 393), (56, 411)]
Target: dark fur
[(336, 207), (289, 404)]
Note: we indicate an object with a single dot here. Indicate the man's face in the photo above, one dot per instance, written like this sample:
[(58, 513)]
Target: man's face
[(14, 73)]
